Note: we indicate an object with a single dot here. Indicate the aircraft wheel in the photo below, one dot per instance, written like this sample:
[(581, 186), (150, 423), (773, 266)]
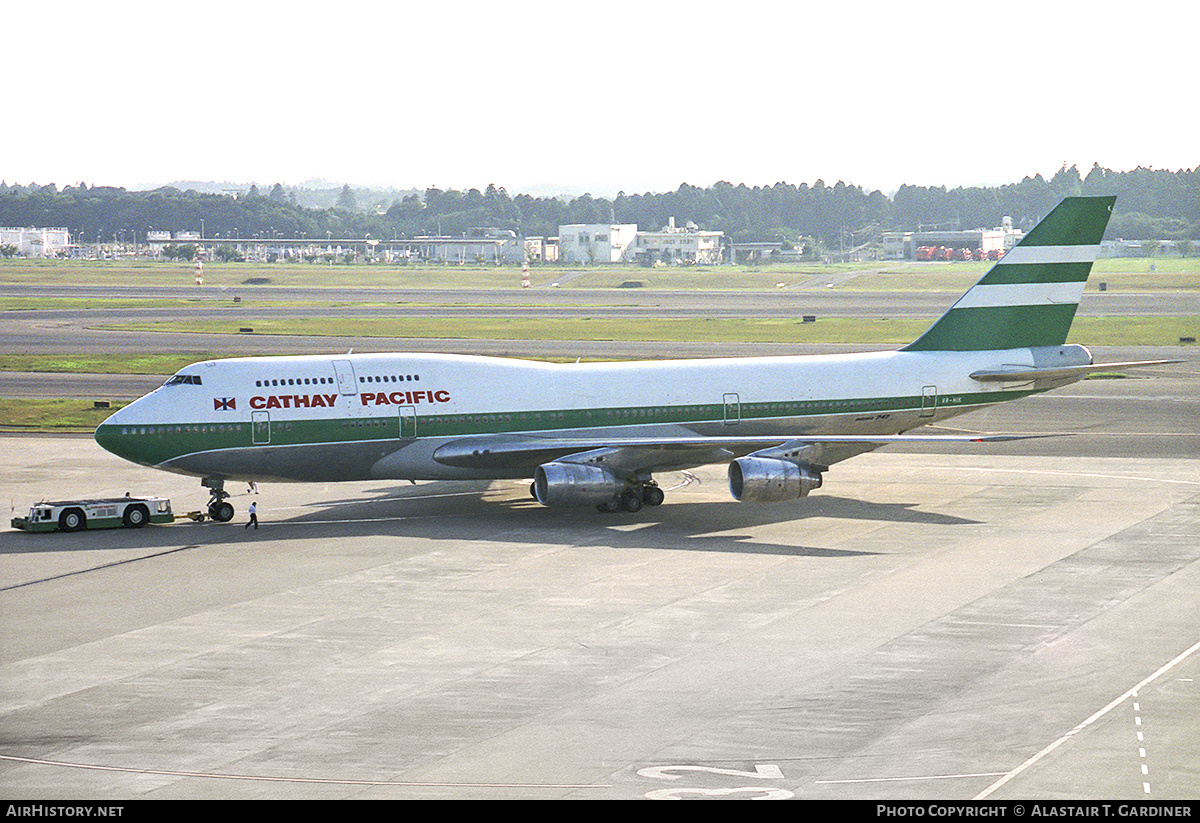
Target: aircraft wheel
[(631, 501), (135, 517), (653, 496), (221, 512), (72, 520), (608, 507)]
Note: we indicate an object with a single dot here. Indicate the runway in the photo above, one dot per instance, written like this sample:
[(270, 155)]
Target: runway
[(53, 330), (1009, 620)]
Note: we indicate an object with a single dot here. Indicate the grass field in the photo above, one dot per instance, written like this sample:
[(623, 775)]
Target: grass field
[(74, 415), (1099, 331), (1125, 273), (123, 363), (71, 415)]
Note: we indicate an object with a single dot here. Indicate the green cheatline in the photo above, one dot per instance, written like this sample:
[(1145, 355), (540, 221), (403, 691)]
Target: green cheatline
[(156, 444)]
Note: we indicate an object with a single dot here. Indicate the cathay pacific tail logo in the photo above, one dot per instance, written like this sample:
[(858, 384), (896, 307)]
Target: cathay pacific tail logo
[(224, 403)]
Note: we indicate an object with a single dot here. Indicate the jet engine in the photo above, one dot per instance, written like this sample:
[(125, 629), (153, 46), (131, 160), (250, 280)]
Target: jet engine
[(770, 480), (574, 484)]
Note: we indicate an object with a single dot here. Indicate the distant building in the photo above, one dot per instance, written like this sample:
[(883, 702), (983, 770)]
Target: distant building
[(755, 251), (950, 245), (477, 246), (34, 242), (679, 245), (596, 242), (1139, 248), (157, 240), (898, 245), (541, 249)]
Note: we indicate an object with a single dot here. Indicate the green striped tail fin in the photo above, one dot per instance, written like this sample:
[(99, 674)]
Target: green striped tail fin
[(1030, 296)]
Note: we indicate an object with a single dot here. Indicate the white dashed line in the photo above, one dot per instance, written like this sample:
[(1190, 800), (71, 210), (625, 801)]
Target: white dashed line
[(1117, 702)]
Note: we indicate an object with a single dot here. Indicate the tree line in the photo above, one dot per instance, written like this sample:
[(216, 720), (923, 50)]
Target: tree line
[(1152, 204)]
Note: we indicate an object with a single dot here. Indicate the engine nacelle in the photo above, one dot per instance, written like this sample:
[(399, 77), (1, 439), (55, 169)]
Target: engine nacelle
[(574, 484), (768, 480)]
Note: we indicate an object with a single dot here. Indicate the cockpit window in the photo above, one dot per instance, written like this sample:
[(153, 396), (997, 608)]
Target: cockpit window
[(192, 379)]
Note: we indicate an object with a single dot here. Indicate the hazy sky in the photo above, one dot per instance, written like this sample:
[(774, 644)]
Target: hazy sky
[(600, 97)]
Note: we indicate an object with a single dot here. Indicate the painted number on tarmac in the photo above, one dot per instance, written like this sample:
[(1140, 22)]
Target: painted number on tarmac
[(761, 772), (677, 793)]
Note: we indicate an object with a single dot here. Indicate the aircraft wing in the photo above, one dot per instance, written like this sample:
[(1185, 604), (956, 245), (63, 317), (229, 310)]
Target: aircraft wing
[(632, 454)]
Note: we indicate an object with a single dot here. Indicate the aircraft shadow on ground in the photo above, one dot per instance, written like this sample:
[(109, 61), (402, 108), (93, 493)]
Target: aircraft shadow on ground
[(470, 511)]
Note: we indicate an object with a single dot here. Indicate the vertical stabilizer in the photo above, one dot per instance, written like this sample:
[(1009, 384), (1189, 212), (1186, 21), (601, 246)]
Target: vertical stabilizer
[(1029, 298)]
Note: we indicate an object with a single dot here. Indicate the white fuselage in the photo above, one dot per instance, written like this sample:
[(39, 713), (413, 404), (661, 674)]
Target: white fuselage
[(384, 415)]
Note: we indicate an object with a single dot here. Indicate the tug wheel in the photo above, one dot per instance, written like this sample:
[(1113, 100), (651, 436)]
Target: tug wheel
[(135, 517), (72, 520)]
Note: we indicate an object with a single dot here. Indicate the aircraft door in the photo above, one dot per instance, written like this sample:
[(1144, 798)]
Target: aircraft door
[(408, 422), (347, 382), (928, 400), (733, 409), (260, 426)]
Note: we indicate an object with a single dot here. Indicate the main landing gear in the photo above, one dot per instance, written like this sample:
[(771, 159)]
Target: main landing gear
[(646, 493), (637, 492), (218, 508)]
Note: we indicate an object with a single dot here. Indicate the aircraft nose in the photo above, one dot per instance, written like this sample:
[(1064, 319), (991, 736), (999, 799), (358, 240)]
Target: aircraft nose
[(118, 434), (108, 434)]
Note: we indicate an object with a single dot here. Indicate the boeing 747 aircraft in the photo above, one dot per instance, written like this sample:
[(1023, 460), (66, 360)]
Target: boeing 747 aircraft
[(596, 433)]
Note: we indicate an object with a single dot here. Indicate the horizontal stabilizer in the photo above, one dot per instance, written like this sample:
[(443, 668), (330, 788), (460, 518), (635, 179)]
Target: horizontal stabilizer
[(1012, 374)]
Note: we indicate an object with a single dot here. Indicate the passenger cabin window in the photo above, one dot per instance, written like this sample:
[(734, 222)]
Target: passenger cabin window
[(294, 381), (388, 378)]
